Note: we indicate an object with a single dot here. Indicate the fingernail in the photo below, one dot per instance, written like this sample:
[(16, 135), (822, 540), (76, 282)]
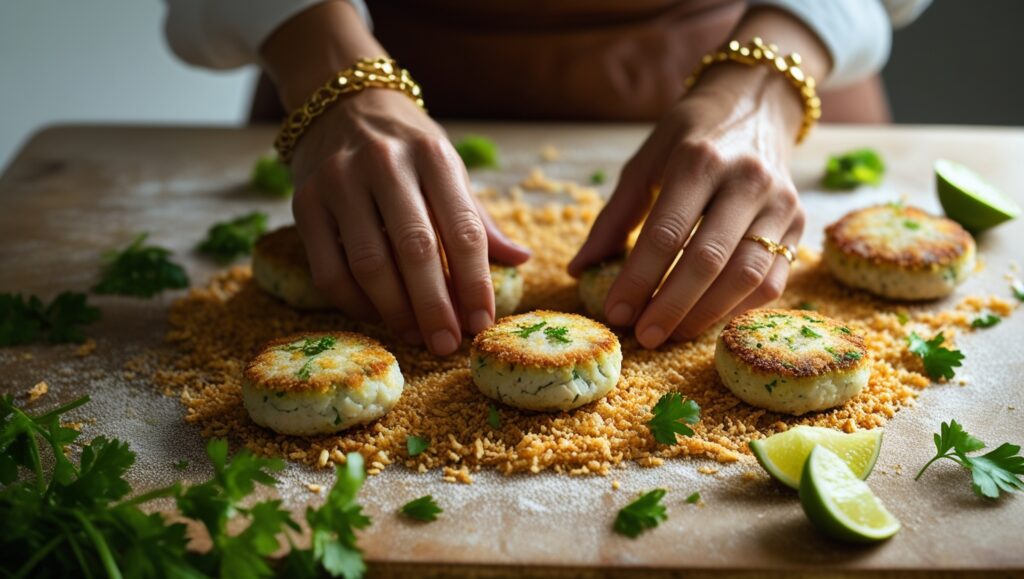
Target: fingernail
[(479, 321), (621, 314), (444, 342), (652, 337), (412, 337)]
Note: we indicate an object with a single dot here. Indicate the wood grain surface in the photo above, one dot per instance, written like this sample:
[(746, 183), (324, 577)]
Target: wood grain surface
[(74, 191)]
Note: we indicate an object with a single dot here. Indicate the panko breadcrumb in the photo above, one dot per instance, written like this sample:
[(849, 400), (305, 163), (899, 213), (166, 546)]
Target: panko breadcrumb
[(215, 329)]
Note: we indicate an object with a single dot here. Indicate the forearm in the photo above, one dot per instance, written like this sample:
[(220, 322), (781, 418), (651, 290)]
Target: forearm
[(307, 49)]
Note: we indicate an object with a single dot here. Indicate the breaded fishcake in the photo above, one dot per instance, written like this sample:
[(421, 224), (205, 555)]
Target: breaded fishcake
[(899, 252), (507, 281), (791, 361), (280, 267), (546, 361), (595, 281)]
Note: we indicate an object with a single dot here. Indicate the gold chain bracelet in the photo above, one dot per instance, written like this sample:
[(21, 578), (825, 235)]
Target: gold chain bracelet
[(366, 73), (756, 53)]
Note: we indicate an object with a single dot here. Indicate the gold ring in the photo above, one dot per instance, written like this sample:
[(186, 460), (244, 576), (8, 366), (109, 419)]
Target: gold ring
[(776, 248)]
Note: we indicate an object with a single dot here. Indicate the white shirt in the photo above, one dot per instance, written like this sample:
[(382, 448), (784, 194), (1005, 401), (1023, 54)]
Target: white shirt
[(225, 34)]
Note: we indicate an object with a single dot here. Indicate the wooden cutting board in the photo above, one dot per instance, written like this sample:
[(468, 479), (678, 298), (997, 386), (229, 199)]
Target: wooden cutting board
[(74, 191)]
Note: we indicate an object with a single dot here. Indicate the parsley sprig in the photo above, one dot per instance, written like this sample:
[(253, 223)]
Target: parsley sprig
[(271, 176), (554, 334), (526, 331), (938, 361), (230, 239), (140, 270), (671, 416), (422, 509), (848, 170), (74, 520), (23, 321), (643, 514), (985, 320), (998, 470), (311, 348)]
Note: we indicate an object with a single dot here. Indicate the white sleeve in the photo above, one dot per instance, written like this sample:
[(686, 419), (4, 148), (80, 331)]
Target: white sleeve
[(228, 33), (857, 33)]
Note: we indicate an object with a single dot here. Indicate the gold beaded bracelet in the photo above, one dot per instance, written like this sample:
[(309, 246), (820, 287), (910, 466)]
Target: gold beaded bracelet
[(366, 73), (755, 53)]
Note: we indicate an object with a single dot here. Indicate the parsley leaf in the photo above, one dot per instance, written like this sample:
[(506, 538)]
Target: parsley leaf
[(140, 271), (557, 335), (985, 320), (23, 321), (493, 418), (998, 470), (422, 509), (938, 361), (807, 332), (911, 224), (416, 445), (525, 331), (670, 414), (229, 239), (311, 348), (334, 524), (805, 305), (848, 170), (477, 151), (693, 498), (270, 175), (643, 514), (180, 465), (597, 177)]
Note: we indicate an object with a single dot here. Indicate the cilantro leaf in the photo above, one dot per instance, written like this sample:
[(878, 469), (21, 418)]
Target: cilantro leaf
[(229, 239), (643, 514), (938, 361), (807, 332), (597, 177), (477, 151), (693, 498), (493, 418), (23, 321), (140, 271), (848, 170), (671, 415), (557, 334), (271, 176), (525, 331), (985, 320), (422, 509), (998, 470), (416, 445)]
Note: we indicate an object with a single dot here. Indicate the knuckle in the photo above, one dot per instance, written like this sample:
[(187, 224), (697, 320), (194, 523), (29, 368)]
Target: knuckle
[(670, 309), (432, 308), (702, 153), (416, 243), (381, 151), (634, 282), (430, 145), (750, 276), (667, 236), (367, 262), (788, 199), (327, 281), (799, 219), (710, 257), (772, 289), (754, 172), (468, 231)]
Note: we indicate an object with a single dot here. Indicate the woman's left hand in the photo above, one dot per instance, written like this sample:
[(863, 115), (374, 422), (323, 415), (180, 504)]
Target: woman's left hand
[(720, 153)]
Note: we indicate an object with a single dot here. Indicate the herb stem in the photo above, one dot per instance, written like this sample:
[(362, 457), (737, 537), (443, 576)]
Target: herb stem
[(37, 556), (929, 463), (102, 548)]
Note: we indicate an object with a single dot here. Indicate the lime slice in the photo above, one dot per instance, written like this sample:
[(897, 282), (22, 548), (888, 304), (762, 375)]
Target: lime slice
[(970, 200), (784, 454), (841, 504)]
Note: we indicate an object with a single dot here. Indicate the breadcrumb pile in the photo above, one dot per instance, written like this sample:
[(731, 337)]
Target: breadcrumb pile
[(217, 328)]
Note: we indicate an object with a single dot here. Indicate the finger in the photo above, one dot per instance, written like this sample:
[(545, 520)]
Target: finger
[(775, 282), (327, 263), (417, 252), (728, 217), (370, 259), (746, 272), (687, 189), (462, 235), (499, 247)]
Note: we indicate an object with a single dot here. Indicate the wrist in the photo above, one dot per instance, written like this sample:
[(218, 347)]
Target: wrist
[(752, 92)]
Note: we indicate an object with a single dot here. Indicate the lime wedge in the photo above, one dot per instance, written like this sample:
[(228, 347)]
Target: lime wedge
[(970, 200), (784, 454), (841, 504)]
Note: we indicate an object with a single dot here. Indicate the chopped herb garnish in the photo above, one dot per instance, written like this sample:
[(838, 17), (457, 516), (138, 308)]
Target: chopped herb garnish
[(230, 239), (597, 177), (477, 152), (493, 418), (807, 332), (422, 509), (995, 471), (985, 320), (805, 306), (938, 361), (525, 331), (844, 330), (671, 416), (23, 321), (416, 444), (140, 271), (811, 319), (311, 348), (911, 224), (643, 514), (180, 465), (557, 334), (771, 386), (693, 498), (847, 171), (271, 176), (902, 318)]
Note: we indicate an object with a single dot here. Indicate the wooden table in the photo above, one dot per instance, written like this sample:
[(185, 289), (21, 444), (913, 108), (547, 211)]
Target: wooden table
[(76, 190)]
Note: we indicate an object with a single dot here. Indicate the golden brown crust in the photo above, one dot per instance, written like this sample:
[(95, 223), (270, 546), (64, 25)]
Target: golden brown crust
[(900, 236), (590, 340), (283, 247), (764, 340), (367, 360)]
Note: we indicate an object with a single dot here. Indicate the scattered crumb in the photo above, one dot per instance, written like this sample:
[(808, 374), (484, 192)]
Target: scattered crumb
[(88, 347), (615, 485), (549, 153), (750, 476), (537, 181), (36, 392), (314, 488), (1011, 407), (27, 356), (325, 456), (707, 470)]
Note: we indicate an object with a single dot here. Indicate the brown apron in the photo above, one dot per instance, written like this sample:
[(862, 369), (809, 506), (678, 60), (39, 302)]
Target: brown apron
[(592, 60)]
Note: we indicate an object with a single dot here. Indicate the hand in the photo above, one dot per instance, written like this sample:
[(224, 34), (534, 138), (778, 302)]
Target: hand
[(719, 153), (379, 192)]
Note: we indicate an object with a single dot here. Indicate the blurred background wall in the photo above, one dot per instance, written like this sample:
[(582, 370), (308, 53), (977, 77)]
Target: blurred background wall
[(106, 60)]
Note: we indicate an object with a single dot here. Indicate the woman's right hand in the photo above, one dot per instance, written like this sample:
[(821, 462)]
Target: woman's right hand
[(380, 191)]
